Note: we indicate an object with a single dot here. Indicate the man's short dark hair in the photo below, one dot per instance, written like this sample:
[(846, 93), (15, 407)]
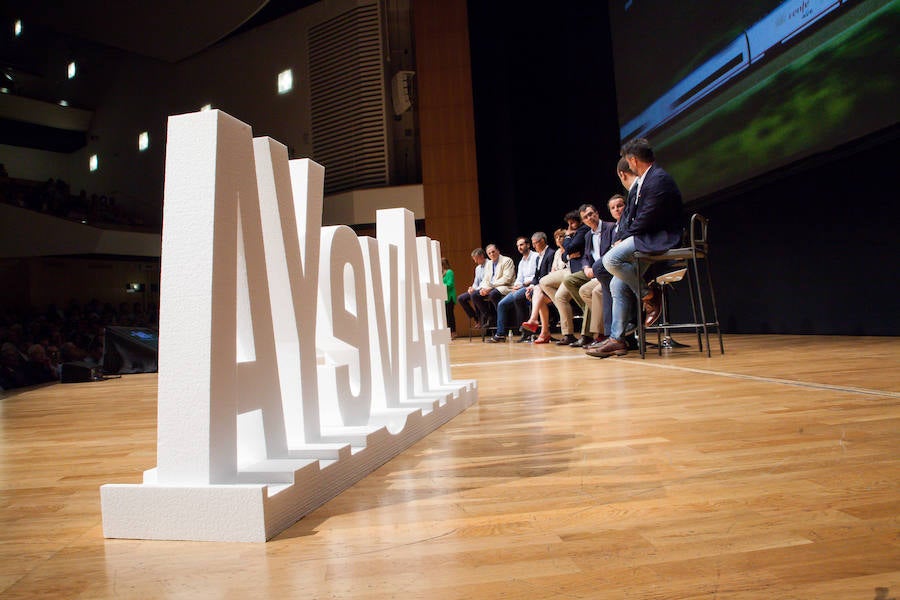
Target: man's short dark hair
[(615, 197), (639, 148), (572, 215), (623, 167), (522, 237), (478, 252), (584, 207)]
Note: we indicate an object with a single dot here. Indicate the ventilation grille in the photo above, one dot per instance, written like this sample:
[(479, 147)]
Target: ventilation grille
[(347, 95)]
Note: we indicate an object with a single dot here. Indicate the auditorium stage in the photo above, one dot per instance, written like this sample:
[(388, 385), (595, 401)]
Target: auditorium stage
[(770, 472)]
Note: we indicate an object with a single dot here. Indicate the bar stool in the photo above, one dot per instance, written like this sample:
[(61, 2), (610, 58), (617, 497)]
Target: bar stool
[(665, 281), (691, 255)]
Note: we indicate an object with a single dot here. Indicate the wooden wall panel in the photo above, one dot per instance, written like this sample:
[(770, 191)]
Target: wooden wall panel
[(447, 130)]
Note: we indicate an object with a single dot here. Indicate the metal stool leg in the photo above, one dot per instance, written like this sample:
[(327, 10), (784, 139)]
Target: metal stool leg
[(667, 342)]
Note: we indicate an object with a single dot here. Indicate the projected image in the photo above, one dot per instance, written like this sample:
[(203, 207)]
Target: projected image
[(727, 91)]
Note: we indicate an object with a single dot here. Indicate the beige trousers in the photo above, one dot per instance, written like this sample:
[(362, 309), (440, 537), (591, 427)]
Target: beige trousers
[(552, 284)]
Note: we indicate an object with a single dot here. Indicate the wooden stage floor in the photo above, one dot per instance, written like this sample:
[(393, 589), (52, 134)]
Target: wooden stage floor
[(770, 472)]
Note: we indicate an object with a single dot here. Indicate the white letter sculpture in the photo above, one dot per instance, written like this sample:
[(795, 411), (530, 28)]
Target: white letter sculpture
[(294, 359)]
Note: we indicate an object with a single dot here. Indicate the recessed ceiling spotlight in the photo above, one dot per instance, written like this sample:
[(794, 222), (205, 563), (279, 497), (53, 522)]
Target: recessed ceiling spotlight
[(17, 27), (71, 70)]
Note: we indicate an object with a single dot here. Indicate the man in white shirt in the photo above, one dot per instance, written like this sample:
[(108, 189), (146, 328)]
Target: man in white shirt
[(499, 274), (507, 310), (472, 309)]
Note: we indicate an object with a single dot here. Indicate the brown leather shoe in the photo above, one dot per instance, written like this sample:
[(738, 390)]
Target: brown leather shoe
[(598, 342), (611, 347), (652, 305)]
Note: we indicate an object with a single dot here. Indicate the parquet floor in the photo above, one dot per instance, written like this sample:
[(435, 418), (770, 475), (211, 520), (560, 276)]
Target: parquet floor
[(770, 472)]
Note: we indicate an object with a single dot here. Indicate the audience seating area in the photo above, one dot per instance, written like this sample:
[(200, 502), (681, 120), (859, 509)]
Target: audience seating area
[(54, 197), (35, 344)]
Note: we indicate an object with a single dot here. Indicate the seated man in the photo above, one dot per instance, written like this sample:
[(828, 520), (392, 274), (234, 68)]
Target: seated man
[(600, 295), (584, 279), (519, 299), (465, 299), (596, 293), (525, 273), (651, 223), (499, 274)]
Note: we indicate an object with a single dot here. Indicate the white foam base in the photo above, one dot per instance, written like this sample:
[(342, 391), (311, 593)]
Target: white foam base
[(255, 512)]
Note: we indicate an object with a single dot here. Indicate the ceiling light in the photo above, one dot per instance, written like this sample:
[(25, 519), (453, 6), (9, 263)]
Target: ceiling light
[(285, 81), (71, 70)]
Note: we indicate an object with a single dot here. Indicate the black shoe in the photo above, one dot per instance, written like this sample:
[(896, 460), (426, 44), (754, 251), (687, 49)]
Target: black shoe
[(495, 339), (584, 342), (567, 340), (527, 337)]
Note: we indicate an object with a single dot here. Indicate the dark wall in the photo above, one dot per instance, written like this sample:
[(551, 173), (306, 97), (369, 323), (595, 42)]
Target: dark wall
[(813, 248), (545, 116), (809, 249)]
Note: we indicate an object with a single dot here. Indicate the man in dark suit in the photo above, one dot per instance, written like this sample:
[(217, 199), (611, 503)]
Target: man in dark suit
[(544, 266), (556, 290), (596, 293), (590, 252), (651, 224)]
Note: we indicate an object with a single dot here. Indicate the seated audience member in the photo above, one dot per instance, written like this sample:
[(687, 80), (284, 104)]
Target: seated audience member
[(37, 369), (629, 182), (573, 244), (540, 301), (465, 300), (450, 284), (53, 360), (70, 352), (652, 223), (12, 374), (585, 278), (499, 275), (95, 353), (524, 275), (597, 295)]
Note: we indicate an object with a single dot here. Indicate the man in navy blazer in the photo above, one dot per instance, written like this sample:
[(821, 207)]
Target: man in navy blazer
[(652, 223), (573, 244), (600, 297), (544, 266), (590, 252)]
